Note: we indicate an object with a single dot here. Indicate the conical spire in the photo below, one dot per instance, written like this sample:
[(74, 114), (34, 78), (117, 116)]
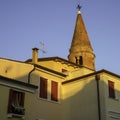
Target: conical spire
[(81, 51)]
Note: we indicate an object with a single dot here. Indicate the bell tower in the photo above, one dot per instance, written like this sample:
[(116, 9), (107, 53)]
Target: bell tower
[(81, 51)]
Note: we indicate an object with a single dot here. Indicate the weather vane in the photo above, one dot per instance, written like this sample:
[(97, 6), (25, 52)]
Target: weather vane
[(79, 6)]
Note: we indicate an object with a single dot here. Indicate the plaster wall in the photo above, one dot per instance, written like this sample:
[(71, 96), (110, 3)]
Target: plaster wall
[(15, 70), (45, 109), (111, 105), (80, 100)]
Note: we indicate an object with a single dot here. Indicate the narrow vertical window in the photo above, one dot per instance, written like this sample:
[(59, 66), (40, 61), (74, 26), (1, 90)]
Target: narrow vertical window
[(43, 88), (77, 62), (81, 60), (111, 89), (54, 91)]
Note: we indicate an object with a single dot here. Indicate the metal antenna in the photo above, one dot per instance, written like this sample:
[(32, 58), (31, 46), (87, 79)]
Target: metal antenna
[(42, 44)]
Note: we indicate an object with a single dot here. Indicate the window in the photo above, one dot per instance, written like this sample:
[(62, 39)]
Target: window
[(54, 91), (81, 60), (111, 89), (43, 88), (48, 89), (64, 70), (16, 102)]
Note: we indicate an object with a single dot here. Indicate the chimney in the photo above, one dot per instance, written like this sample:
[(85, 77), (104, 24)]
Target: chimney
[(35, 55)]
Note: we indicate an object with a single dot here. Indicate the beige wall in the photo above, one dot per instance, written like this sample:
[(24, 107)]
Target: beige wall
[(42, 108), (72, 71), (57, 66), (4, 93), (80, 100), (15, 70), (111, 106)]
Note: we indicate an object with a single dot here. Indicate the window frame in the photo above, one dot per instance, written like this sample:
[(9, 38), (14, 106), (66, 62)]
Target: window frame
[(16, 102), (49, 90)]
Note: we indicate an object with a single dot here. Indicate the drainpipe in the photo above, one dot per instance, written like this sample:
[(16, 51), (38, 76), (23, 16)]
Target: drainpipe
[(97, 78), (34, 61), (29, 74)]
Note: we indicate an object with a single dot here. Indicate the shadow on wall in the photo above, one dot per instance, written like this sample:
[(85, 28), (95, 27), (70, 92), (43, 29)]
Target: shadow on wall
[(84, 99)]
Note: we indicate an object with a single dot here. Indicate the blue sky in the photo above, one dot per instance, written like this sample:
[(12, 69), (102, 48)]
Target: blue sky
[(25, 23)]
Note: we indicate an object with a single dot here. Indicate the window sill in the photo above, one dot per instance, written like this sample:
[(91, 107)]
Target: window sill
[(10, 115), (49, 100), (116, 99)]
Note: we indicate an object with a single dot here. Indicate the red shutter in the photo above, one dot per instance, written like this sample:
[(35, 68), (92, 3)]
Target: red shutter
[(43, 88), (111, 89), (54, 91)]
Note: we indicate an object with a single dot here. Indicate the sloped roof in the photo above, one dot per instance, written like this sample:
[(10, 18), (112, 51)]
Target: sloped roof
[(80, 36), (16, 82), (50, 70), (58, 59), (91, 74)]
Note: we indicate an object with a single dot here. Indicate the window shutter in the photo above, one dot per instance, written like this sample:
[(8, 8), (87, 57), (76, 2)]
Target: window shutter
[(54, 91), (111, 89), (43, 88)]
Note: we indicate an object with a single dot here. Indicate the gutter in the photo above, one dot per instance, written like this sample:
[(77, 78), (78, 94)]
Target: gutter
[(29, 74), (97, 78)]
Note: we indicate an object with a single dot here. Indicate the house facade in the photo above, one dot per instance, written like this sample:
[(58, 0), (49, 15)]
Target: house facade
[(57, 89), (14, 99)]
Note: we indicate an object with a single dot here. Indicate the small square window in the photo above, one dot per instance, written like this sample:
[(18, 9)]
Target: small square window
[(64, 70)]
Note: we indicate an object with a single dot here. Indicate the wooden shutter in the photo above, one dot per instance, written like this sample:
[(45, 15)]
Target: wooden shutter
[(43, 88), (54, 91), (111, 89)]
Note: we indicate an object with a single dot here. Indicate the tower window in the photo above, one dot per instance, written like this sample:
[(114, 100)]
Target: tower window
[(111, 89), (81, 60), (77, 61)]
